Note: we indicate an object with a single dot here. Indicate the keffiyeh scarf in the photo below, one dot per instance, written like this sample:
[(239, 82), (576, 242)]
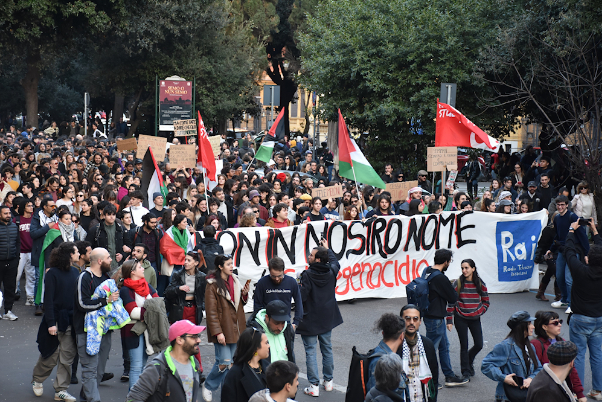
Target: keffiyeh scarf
[(424, 373)]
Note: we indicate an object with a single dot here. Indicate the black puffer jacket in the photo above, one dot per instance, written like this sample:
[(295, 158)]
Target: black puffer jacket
[(320, 309), (10, 242), (175, 298)]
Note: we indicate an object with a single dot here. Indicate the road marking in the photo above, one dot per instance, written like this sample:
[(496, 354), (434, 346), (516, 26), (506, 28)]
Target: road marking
[(339, 388)]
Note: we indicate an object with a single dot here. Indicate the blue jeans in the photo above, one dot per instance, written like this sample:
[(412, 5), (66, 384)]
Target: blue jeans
[(138, 359), (564, 278), (435, 331), (586, 333), (309, 342), (223, 357)]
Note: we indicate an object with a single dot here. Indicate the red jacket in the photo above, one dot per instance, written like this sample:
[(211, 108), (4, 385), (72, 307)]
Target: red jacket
[(572, 380)]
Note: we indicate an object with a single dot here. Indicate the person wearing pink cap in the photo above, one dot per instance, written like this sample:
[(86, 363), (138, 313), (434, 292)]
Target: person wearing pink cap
[(172, 375)]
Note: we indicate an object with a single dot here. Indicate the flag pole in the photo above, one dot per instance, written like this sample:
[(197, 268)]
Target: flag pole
[(357, 188)]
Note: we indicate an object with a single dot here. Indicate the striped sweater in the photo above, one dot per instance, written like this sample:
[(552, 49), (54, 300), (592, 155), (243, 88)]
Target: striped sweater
[(470, 304)]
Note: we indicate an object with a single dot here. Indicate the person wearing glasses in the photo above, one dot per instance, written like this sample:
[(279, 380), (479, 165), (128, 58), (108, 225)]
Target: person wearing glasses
[(173, 372), (224, 302), (248, 373), (547, 331), (419, 358), (40, 225)]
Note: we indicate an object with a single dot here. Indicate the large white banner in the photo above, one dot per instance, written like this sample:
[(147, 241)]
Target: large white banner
[(381, 256)]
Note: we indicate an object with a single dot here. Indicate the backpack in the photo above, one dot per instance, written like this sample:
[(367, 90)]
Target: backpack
[(359, 372), (417, 291)]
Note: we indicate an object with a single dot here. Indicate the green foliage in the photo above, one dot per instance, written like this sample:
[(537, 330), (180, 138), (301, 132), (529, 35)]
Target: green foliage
[(382, 62)]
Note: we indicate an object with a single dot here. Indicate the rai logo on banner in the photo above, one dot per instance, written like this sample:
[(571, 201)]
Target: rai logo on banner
[(516, 243)]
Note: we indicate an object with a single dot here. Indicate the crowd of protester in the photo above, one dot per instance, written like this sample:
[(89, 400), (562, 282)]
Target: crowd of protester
[(74, 208)]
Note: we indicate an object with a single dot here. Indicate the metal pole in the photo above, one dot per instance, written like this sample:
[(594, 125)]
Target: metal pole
[(272, 106), (156, 104), (85, 114)]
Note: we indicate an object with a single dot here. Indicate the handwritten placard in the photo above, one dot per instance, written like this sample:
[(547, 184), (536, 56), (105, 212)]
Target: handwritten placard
[(399, 190), (327, 192), (183, 128), (440, 158), (182, 155), (157, 144), (215, 143), (449, 184), (127, 145)]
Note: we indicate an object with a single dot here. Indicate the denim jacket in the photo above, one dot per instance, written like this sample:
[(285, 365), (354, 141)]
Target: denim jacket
[(506, 358), (385, 349)]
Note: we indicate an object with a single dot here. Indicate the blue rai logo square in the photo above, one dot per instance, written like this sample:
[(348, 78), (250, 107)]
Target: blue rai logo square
[(516, 243)]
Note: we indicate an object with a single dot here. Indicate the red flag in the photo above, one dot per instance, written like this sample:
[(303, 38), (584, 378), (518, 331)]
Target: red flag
[(455, 130), (345, 145), (205, 155)]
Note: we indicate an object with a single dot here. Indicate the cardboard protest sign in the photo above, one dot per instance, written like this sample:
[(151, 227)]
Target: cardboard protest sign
[(158, 145), (440, 158), (328, 192), (127, 145), (182, 155), (184, 128), (215, 141), (399, 190)]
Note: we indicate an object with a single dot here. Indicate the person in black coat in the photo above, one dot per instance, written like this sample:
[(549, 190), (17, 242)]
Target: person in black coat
[(320, 314), (247, 375), (183, 302), (209, 248)]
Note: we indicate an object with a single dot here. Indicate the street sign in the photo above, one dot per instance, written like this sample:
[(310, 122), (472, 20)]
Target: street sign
[(448, 94), (267, 95)]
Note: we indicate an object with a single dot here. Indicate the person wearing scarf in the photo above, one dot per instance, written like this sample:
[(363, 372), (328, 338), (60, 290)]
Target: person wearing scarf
[(419, 358), (134, 291)]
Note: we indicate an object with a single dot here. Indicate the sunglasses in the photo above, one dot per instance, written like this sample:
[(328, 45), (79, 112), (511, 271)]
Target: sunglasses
[(415, 319), (80, 195), (555, 323)]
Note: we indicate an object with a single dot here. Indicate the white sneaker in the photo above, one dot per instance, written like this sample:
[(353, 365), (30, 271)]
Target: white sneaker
[(29, 301), (312, 390), (207, 394), (568, 311), (38, 388), (328, 386), (597, 395), (64, 396), (10, 316), (559, 304)]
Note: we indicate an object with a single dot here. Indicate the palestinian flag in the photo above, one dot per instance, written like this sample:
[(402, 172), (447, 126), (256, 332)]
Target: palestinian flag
[(174, 245), (265, 151), (152, 180), (51, 235), (352, 162)]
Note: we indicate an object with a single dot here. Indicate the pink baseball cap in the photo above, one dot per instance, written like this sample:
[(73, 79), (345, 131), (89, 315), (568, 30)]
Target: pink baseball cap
[(182, 327)]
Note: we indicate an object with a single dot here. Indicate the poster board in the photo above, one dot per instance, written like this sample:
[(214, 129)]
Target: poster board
[(215, 141), (157, 144), (127, 145), (328, 192), (175, 103), (440, 158), (182, 155), (399, 191), (184, 128)]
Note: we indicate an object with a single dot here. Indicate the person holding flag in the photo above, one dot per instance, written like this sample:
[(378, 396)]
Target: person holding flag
[(274, 135), (174, 245)]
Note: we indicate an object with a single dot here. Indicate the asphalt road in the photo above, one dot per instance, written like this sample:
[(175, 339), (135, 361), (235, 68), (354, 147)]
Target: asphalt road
[(18, 350)]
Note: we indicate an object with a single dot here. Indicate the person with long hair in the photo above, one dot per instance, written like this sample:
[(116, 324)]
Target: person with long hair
[(134, 293), (583, 203), (248, 373), (224, 307), (55, 339), (514, 356), (473, 302), (547, 331), (352, 213)]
